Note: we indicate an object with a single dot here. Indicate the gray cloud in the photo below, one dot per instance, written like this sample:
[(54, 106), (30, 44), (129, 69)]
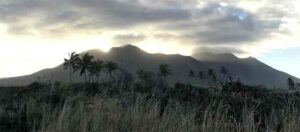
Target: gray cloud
[(90, 14), (180, 20), (216, 24), (128, 39), (219, 50)]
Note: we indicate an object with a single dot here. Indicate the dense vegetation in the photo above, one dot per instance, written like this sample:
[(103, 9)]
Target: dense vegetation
[(111, 99)]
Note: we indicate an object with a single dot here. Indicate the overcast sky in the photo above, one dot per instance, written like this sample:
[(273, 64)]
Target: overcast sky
[(38, 34)]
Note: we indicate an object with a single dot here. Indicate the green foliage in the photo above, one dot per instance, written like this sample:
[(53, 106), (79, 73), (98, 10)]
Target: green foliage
[(164, 70), (111, 67), (96, 69), (85, 64), (148, 103), (102, 107), (213, 79), (146, 81), (71, 63)]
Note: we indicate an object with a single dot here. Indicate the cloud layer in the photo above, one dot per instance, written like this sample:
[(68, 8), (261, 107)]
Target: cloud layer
[(231, 23)]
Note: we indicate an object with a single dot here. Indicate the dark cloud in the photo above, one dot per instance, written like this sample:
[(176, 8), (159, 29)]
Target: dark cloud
[(217, 24), (91, 14), (123, 14), (179, 20)]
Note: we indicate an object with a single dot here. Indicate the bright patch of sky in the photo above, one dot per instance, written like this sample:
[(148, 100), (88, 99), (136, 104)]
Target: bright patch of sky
[(287, 60)]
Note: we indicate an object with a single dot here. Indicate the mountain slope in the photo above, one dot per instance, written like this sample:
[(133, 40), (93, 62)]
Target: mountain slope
[(132, 59), (250, 70)]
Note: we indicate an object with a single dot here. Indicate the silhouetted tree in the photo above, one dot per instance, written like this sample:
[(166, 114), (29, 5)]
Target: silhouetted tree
[(126, 79), (71, 63), (201, 75), (92, 71), (95, 69), (211, 78), (111, 67), (210, 72), (291, 83), (147, 81), (145, 75), (192, 73), (225, 75), (99, 67), (223, 70), (164, 71), (84, 64)]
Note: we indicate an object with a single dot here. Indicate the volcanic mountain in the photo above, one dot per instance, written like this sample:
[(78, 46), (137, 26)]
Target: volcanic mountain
[(132, 59)]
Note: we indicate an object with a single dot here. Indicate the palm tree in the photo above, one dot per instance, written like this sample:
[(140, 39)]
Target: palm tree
[(85, 64), (164, 71), (191, 73), (71, 63), (210, 72), (201, 75), (96, 69), (212, 77), (92, 70), (291, 83), (223, 70), (227, 76), (110, 67)]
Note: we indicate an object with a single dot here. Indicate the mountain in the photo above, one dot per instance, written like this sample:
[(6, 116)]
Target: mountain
[(212, 57), (133, 59), (250, 70)]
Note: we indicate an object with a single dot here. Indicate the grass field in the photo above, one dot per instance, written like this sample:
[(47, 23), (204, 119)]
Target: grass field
[(106, 107)]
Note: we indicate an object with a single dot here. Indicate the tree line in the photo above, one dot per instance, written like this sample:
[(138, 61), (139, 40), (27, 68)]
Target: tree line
[(91, 69), (88, 67)]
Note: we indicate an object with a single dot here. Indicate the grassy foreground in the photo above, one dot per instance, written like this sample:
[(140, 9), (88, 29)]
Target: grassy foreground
[(109, 107)]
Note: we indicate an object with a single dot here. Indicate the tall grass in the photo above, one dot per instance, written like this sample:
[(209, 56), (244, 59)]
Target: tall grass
[(112, 115), (67, 109)]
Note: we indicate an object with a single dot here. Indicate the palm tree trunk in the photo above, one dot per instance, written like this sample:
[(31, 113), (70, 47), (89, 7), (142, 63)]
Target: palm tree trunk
[(70, 75)]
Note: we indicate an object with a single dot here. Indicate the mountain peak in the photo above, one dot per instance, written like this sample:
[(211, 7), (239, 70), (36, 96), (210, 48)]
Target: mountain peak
[(129, 46), (94, 52), (209, 56), (127, 49)]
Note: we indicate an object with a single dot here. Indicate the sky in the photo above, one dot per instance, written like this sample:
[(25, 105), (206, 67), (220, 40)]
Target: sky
[(38, 34)]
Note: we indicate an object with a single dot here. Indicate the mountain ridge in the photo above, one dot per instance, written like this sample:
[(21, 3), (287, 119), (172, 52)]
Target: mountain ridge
[(131, 58)]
